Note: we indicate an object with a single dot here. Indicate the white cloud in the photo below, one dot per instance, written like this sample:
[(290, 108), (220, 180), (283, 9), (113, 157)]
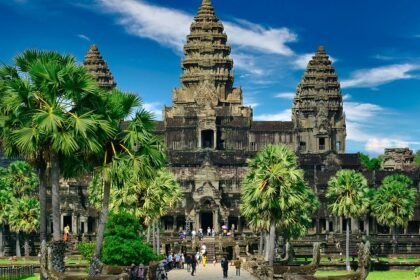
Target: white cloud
[(378, 145), (360, 112), (247, 63), (346, 97), (84, 37), (285, 115), (285, 95), (380, 75), (170, 27), (155, 108), (301, 61)]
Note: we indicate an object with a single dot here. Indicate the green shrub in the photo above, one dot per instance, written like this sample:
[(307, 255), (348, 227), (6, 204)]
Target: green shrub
[(417, 273), (86, 249), (123, 245)]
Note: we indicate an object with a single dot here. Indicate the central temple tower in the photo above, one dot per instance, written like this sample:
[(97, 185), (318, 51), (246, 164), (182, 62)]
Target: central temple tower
[(206, 104)]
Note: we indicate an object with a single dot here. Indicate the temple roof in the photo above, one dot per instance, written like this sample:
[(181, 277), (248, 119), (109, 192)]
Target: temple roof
[(99, 68), (319, 77), (206, 51), (266, 126)]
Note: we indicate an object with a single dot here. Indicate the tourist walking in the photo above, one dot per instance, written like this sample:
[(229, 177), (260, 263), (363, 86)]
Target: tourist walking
[(225, 265), (208, 231), (188, 261), (140, 272), (238, 267), (204, 257), (193, 265), (161, 273)]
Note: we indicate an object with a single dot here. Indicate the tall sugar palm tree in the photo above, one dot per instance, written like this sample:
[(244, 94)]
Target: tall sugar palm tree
[(24, 218), (49, 112), (275, 196), (133, 149), (5, 203), (348, 193), (394, 202)]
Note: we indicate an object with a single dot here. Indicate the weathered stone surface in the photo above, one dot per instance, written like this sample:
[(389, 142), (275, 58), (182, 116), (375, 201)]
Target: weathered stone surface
[(399, 159), (99, 68)]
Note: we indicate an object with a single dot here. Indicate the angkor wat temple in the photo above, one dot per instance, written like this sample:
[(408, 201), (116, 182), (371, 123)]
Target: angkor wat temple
[(209, 134)]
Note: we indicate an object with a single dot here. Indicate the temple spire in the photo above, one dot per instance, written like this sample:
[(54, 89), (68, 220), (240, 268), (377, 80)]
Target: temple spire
[(318, 115), (99, 68)]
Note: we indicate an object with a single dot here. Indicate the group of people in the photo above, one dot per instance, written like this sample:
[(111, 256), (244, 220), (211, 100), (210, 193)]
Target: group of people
[(172, 261), (137, 272), (210, 232), (225, 266)]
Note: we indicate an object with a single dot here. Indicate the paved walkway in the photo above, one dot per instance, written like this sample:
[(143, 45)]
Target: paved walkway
[(210, 272)]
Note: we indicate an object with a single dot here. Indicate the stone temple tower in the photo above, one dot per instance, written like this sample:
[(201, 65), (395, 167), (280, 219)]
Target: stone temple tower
[(207, 110), (317, 113), (99, 68)]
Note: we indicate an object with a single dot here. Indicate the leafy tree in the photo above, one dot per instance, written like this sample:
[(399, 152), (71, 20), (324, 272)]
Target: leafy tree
[(86, 249), (24, 218), (49, 112), (123, 245), (145, 199), (348, 193), (20, 209), (275, 196), (394, 203), (371, 163)]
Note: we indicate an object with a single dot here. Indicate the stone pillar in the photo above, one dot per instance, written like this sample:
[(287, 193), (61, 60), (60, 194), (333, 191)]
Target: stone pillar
[(367, 225), (175, 225), (74, 224), (354, 225), (239, 224), (317, 226), (327, 225), (216, 220), (197, 224), (340, 224), (62, 223)]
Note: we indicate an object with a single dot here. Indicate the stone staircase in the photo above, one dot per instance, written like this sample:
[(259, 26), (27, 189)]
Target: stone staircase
[(211, 250)]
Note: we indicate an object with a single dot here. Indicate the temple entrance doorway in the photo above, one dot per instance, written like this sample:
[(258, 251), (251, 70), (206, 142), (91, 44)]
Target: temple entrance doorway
[(206, 220)]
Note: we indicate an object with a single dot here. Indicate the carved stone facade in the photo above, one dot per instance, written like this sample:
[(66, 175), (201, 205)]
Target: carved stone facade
[(210, 134), (318, 118), (398, 159)]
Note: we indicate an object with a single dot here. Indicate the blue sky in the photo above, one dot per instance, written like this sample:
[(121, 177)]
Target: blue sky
[(375, 46)]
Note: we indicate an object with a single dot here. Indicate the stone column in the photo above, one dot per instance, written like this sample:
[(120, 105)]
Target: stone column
[(74, 224), (317, 226), (216, 220), (197, 222), (175, 224), (354, 225), (340, 224), (239, 224)]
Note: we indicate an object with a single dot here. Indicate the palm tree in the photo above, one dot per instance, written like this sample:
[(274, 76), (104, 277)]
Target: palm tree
[(24, 218), (348, 193), (48, 112), (132, 151), (5, 202), (275, 196), (394, 202)]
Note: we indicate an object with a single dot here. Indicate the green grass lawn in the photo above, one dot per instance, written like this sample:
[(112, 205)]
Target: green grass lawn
[(326, 260), (376, 275), (35, 277)]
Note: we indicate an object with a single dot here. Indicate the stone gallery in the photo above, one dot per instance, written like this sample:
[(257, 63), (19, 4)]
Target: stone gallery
[(209, 134)]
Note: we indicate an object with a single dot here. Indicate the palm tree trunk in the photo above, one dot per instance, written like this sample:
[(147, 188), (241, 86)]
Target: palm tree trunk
[(272, 241), (55, 193), (42, 177), (42, 201), (347, 244), (26, 246), (158, 238), (266, 245), (260, 248), (148, 235), (103, 218), (58, 247), (394, 239), (18, 254)]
